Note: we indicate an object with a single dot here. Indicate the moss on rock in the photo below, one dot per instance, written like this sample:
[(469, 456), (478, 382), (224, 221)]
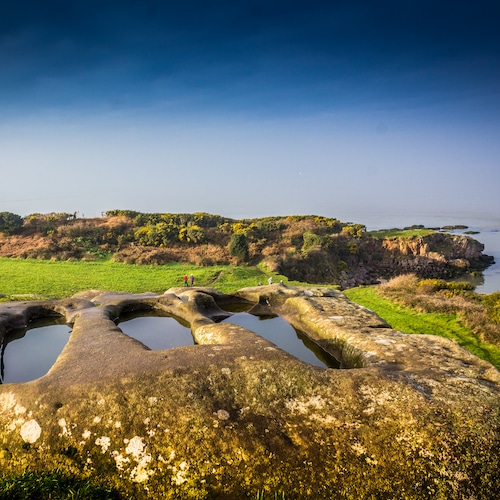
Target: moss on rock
[(235, 415)]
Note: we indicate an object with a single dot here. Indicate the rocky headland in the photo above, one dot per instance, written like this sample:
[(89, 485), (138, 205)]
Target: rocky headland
[(371, 260), (312, 249), (407, 416)]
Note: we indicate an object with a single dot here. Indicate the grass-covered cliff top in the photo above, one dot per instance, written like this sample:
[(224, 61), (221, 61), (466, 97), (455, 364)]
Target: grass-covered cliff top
[(303, 247)]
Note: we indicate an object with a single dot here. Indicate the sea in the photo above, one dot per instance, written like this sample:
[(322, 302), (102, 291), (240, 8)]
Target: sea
[(485, 226)]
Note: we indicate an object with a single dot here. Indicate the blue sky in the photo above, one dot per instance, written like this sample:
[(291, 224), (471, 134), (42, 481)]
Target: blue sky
[(339, 108)]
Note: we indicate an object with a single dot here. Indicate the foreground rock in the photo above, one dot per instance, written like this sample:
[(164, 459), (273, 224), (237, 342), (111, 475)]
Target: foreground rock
[(410, 416)]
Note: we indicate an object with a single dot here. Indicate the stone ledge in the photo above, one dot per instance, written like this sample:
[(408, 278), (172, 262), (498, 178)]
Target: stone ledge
[(235, 415)]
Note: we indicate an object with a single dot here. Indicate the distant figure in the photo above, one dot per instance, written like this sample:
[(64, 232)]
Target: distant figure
[(281, 282), (185, 280), (192, 279), (270, 280)]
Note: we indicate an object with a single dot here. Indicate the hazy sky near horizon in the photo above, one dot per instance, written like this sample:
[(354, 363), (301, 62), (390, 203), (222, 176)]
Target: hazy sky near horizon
[(248, 109)]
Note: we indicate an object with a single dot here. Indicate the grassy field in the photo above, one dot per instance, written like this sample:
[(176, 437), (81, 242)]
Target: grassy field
[(48, 278), (400, 233), (410, 321)]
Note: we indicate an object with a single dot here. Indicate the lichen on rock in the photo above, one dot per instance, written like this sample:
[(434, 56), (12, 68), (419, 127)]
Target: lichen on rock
[(414, 417)]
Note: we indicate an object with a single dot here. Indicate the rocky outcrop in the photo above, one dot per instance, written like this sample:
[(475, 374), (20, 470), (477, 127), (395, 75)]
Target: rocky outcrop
[(436, 255), (439, 247), (367, 260), (409, 416)]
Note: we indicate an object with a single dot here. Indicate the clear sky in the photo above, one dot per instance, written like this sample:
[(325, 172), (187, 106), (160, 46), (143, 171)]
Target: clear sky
[(248, 109)]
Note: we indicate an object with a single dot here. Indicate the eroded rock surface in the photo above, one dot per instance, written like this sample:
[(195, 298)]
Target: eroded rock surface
[(409, 416)]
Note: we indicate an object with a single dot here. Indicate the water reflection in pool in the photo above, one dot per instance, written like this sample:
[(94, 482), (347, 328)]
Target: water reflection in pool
[(156, 331), (29, 353), (281, 333)]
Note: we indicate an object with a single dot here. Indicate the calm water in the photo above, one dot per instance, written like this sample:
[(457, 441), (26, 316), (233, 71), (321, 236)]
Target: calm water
[(164, 332), (491, 277), (28, 354), (487, 225), (282, 334), (156, 332)]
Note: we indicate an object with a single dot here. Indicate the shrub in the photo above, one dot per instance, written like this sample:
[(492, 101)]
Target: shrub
[(194, 234), (354, 230), (311, 241), (451, 287), (10, 223), (404, 282), (492, 302), (238, 246)]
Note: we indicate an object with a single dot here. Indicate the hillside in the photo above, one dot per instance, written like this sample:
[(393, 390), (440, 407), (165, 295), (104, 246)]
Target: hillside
[(307, 248)]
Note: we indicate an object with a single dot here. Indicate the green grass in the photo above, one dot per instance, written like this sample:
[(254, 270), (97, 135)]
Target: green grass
[(48, 278), (410, 321), (51, 485), (400, 233)]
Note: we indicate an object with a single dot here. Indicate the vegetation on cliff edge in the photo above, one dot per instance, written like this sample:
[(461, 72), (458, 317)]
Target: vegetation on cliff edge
[(303, 247), (436, 307)]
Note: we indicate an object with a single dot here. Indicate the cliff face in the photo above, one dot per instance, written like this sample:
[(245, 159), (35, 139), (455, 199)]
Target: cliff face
[(368, 259), (440, 246)]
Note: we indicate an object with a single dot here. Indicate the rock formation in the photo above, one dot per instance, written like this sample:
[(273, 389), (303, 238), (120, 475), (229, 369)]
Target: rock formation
[(408, 416), (368, 260)]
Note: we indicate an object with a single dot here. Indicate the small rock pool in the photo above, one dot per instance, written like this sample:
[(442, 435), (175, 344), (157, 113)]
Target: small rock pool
[(156, 331), (29, 353), (282, 334)]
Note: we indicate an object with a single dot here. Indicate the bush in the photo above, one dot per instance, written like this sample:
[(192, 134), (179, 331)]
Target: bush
[(451, 287), (311, 241), (10, 223), (354, 230), (492, 302), (404, 283), (238, 246)]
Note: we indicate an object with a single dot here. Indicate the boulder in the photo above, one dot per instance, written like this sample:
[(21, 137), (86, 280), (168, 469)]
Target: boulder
[(234, 416)]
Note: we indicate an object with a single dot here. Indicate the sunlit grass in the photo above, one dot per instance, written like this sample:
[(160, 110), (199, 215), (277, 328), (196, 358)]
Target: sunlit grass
[(47, 278), (46, 485), (400, 233), (409, 320)]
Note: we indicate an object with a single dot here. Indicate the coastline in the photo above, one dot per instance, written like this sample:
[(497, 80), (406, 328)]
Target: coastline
[(485, 226)]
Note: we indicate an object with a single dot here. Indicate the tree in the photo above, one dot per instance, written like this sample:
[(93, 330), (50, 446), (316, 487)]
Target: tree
[(10, 223), (238, 246)]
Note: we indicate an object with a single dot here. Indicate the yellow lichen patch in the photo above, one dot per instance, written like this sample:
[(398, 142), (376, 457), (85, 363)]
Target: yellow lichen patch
[(180, 473)]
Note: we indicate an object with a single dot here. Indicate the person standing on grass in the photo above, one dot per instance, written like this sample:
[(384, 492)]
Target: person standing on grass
[(192, 279), (185, 280)]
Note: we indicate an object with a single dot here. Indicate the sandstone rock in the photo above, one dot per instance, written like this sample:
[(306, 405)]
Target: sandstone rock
[(410, 416)]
